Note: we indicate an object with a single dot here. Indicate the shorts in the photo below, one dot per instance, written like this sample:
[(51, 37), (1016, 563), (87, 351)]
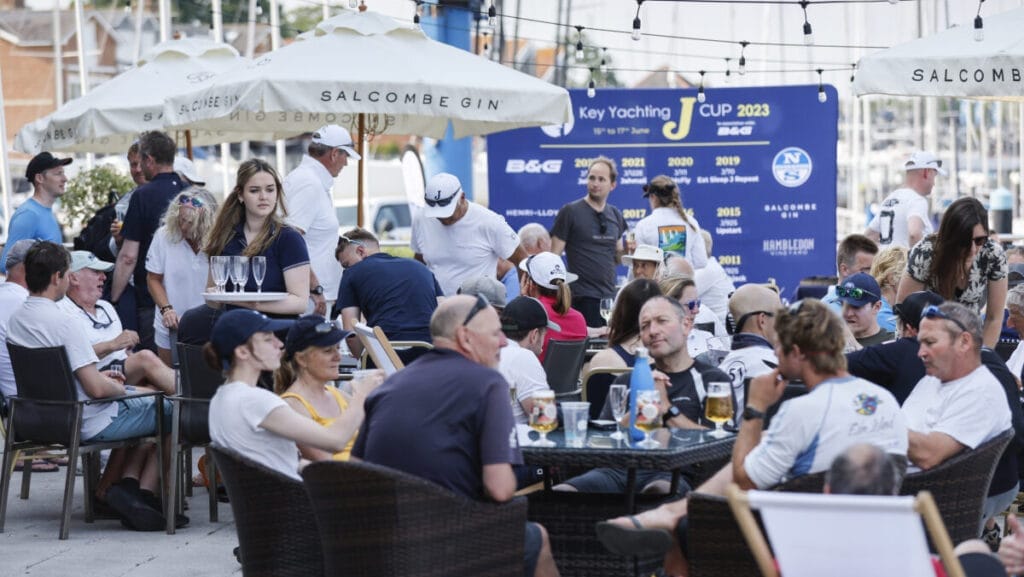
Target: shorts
[(161, 334), (531, 549), (136, 417), (605, 480)]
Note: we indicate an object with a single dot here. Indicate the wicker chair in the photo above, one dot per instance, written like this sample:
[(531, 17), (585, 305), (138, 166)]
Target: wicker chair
[(374, 520), (277, 534), (960, 485)]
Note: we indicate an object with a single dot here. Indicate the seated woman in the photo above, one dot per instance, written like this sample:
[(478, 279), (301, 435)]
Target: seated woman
[(547, 281), (311, 359), (624, 326), (255, 422), (250, 224)]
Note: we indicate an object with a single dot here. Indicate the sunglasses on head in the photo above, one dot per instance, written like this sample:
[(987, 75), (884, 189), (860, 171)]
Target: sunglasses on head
[(795, 308), (443, 201), (853, 293), (194, 201), (481, 304), (938, 163), (934, 312), (324, 327), (344, 238)]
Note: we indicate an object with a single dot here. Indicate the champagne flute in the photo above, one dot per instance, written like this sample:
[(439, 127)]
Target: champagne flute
[(239, 271), (259, 270), (718, 406), (618, 400), (648, 416), (544, 416), (219, 272), (606, 309)]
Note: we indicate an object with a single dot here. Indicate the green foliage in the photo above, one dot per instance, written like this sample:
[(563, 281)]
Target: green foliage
[(90, 190), (592, 57)]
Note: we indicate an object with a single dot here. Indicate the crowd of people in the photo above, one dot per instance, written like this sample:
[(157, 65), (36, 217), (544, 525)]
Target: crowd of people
[(896, 356)]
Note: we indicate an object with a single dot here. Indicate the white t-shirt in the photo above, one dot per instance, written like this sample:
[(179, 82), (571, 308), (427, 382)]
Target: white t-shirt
[(891, 221), (971, 409), (41, 323), (665, 229), (468, 249), (809, 432), (522, 369), (746, 363), (93, 326), (311, 208), (11, 297), (714, 287), (185, 274), (236, 411)]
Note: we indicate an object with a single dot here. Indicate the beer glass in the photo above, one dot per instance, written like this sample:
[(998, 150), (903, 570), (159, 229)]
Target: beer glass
[(618, 401), (718, 406), (648, 416), (543, 417)]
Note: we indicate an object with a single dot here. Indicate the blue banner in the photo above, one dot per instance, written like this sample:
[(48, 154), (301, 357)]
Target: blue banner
[(756, 166)]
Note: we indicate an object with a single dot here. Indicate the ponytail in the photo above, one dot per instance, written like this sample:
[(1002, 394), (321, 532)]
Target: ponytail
[(285, 375), (563, 302)]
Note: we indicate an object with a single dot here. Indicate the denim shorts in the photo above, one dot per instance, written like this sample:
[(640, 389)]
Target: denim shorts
[(136, 417)]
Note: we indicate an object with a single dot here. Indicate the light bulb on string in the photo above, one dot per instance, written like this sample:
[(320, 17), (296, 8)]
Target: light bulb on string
[(636, 21), (604, 61), (743, 57), (579, 44), (979, 29), (853, 71), (591, 90), (492, 16), (728, 71), (808, 32), (822, 96), (700, 90)]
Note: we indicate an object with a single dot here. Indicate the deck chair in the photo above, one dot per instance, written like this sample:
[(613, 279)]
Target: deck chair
[(563, 362), (377, 345), (878, 535)]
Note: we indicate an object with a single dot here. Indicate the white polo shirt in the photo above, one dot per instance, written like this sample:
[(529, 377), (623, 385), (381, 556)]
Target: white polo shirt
[(310, 205)]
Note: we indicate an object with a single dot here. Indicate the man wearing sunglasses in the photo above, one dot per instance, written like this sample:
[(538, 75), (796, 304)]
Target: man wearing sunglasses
[(862, 300), (752, 307), (457, 239), (904, 218), (310, 204)]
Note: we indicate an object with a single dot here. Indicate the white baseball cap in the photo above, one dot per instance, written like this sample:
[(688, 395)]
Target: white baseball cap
[(84, 259), (922, 159), (335, 136), (187, 169), (544, 268), (644, 252), (441, 195)]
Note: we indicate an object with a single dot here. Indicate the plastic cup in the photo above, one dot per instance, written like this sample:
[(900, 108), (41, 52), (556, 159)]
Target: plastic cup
[(575, 416)]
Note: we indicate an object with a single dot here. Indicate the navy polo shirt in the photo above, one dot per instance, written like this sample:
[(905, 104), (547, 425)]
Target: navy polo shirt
[(287, 251), (148, 204), (398, 295)]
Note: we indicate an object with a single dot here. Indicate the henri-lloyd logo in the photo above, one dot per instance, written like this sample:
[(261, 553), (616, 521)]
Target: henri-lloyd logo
[(966, 75), (411, 98)]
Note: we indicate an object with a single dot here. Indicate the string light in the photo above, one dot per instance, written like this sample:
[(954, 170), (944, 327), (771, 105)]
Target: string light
[(822, 96), (636, 21), (743, 58), (579, 44), (853, 71), (492, 16), (979, 26), (604, 61), (728, 71), (700, 91), (416, 13), (591, 88), (808, 33)]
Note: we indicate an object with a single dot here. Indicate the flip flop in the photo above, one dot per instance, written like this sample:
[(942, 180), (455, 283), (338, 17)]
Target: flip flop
[(637, 540), (38, 466)]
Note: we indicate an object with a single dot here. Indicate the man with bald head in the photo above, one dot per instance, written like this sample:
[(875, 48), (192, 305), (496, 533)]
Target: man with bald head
[(753, 308), (447, 416)]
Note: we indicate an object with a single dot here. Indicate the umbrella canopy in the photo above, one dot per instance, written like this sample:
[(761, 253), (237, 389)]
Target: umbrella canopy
[(952, 63), (364, 63), (110, 117)]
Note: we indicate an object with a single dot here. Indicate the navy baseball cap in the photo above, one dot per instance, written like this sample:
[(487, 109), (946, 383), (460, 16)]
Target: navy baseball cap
[(312, 331), (858, 290), (910, 309), (237, 326)]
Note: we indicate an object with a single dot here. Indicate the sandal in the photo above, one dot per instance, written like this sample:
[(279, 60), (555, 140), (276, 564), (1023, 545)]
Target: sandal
[(633, 541), (38, 466)]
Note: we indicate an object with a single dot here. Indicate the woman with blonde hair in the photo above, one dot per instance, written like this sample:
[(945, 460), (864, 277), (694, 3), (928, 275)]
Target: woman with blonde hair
[(250, 224), (886, 269), (669, 227), (176, 265), (546, 280)]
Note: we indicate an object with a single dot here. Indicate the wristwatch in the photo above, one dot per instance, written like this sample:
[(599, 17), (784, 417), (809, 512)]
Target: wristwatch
[(750, 413), (673, 412), (317, 290)]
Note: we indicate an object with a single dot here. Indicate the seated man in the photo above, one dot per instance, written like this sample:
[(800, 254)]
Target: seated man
[(524, 322), (861, 299), (102, 326), (664, 328), (41, 323), (446, 417), (753, 341), (804, 437)]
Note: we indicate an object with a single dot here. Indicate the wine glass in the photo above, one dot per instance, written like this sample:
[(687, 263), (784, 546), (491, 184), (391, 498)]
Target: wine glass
[(239, 271), (543, 416), (259, 270), (648, 416), (219, 271), (618, 400), (718, 406), (606, 309)]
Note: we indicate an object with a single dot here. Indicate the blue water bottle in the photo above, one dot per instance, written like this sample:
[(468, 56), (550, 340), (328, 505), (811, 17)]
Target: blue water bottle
[(640, 380)]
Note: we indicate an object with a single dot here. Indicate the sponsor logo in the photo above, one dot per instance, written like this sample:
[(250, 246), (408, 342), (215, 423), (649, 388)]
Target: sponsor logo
[(735, 130), (792, 167), (532, 166), (865, 404)]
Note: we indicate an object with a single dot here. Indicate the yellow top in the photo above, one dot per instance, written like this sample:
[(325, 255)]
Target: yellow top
[(324, 422)]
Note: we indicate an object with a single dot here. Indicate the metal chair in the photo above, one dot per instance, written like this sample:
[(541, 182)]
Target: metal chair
[(277, 535), (374, 520), (190, 425), (563, 361), (46, 413)]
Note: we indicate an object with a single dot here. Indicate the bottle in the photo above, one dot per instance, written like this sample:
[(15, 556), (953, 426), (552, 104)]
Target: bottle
[(641, 379)]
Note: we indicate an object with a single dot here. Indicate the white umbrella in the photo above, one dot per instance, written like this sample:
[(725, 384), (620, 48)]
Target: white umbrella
[(952, 63), (110, 117)]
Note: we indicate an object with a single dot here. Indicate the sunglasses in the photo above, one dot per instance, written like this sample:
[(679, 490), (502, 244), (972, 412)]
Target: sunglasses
[(979, 241), (938, 163), (443, 201), (854, 293), (795, 308), (324, 327), (96, 324), (934, 312), (602, 223), (692, 305), (344, 238), (743, 319), (481, 304), (194, 201)]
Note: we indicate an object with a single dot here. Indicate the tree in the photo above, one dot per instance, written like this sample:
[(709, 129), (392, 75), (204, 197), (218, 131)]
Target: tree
[(579, 77)]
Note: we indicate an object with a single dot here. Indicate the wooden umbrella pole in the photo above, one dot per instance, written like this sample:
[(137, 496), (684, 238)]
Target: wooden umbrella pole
[(362, 163), (188, 144)]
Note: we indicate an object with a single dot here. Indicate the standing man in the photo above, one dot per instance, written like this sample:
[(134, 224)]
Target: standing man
[(34, 218), (310, 205), (903, 219), (588, 230), (147, 206), (457, 239)]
